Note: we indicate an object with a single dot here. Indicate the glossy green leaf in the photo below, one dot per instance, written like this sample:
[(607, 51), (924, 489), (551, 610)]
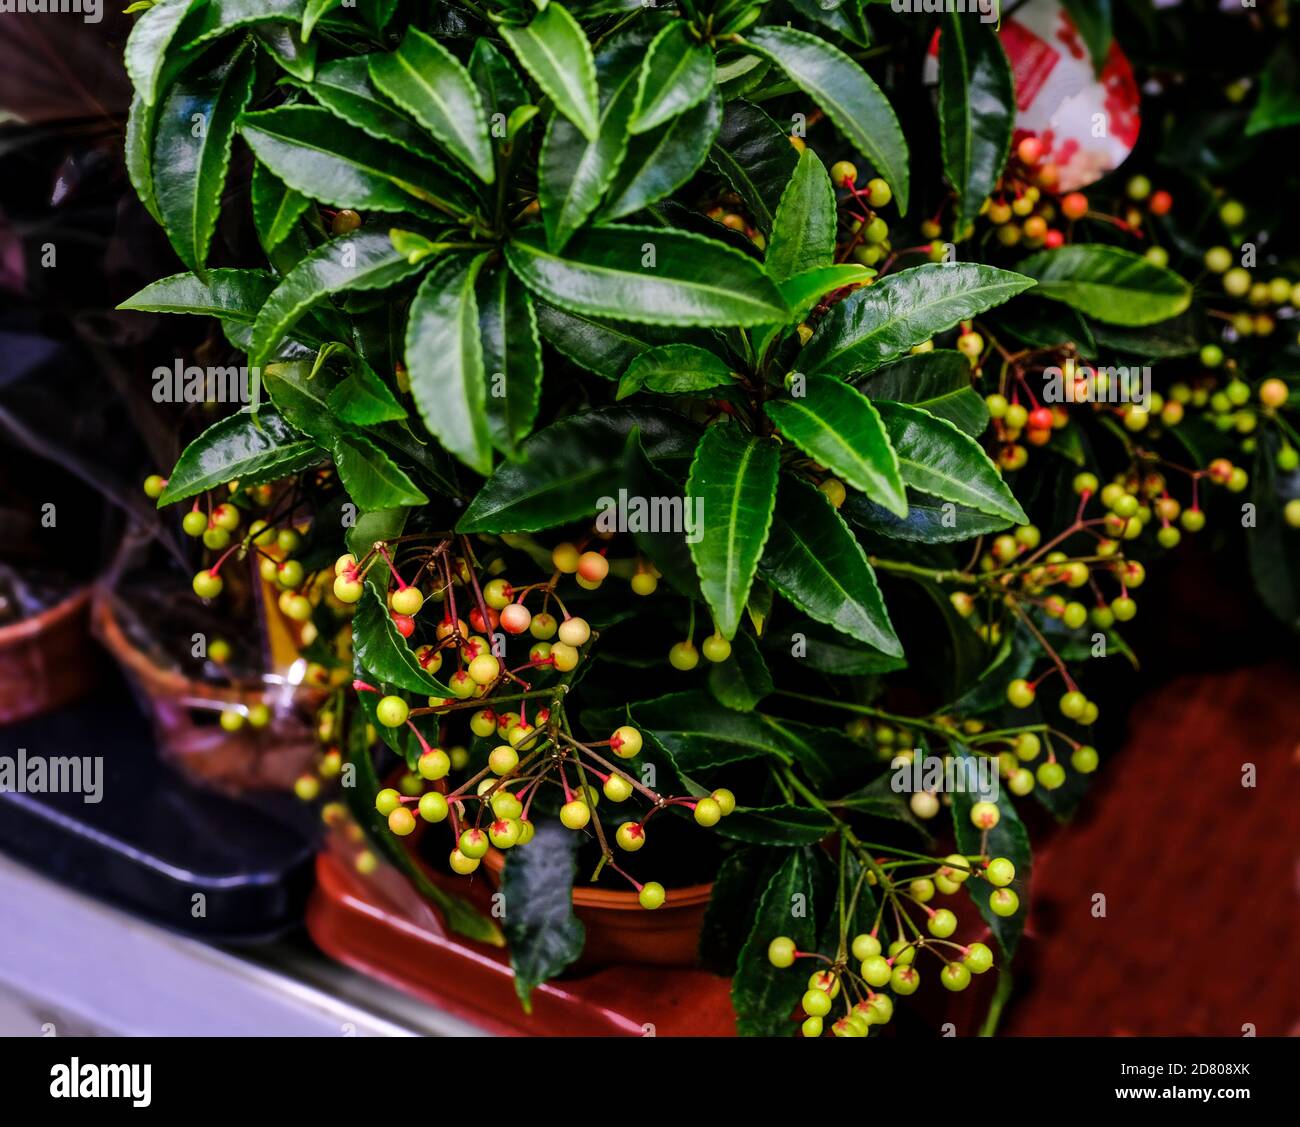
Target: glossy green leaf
[(196, 123), (276, 207), (429, 82), (214, 18), (364, 260), (677, 74), (977, 107), (940, 459), (544, 935), (838, 426), (803, 232), (737, 889), (512, 357), (252, 448), (648, 274), (823, 648), (1007, 839), (732, 488), (315, 153), (577, 169), (1279, 94), (776, 825), (658, 163), (444, 356), (604, 348), (848, 96), (146, 46), (742, 681), (1108, 283), (764, 996), (383, 652), (805, 290), (363, 399), (674, 369), (698, 734), (553, 48), (138, 152), (503, 93), (929, 520), (371, 478), (314, 12), (756, 158), (282, 42), (569, 466), (815, 562), (232, 295), (343, 87), (889, 317), (938, 382)]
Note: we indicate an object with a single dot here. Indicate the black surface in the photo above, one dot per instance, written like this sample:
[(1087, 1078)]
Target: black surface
[(156, 841)]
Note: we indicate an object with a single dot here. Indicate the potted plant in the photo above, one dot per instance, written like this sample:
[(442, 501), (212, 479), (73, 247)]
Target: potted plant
[(674, 483)]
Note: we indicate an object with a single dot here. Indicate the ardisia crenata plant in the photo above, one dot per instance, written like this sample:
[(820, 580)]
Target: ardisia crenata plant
[(643, 469)]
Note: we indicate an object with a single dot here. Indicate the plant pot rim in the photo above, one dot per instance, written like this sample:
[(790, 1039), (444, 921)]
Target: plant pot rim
[(608, 899), (15, 633), (167, 682)]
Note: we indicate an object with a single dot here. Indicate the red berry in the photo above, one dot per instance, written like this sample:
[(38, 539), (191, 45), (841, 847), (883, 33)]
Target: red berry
[(1160, 202), (476, 620), (516, 618), (1040, 418), (405, 624), (1053, 239)]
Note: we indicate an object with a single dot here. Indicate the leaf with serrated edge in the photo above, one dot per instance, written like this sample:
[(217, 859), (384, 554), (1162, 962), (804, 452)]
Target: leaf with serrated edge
[(803, 233), (732, 486), (554, 50)]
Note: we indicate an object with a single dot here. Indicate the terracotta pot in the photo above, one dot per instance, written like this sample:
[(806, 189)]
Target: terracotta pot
[(619, 930), (48, 660), (186, 716)]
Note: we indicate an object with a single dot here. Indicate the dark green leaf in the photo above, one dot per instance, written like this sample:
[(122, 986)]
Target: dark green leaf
[(428, 81), (364, 400), (344, 88), (674, 369), (276, 207), (929, 520), (756, 158), (776, 825), (697, 733), (741, 878), (283, 43), (937, 458), (814, 561), (741, 681), (364, 260), (838, 426), (250, 448), (764, 996), (215, 18), (544, 935), (827, 650), (803, 233), (568, 467), (666, 548), (232, 295), (196, 123), (658, 163), (977, 108), (372, 479), (1108, 283), (554, 50), (938, 382), (1279, 94), (314, 11), (1273, 545), (315, 153), (731, 491), (648, 274), (383, 652), (444, 356), (884, 320), (1092, 19), (146, 46), (848, 96), (138, 153), (512, 357), (677, 74)]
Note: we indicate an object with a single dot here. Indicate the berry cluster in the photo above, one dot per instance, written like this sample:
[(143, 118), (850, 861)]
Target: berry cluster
[(884, 965)]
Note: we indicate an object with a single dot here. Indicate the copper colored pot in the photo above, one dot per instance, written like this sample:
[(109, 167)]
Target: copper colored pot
[(48, 660), (186, 715)]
